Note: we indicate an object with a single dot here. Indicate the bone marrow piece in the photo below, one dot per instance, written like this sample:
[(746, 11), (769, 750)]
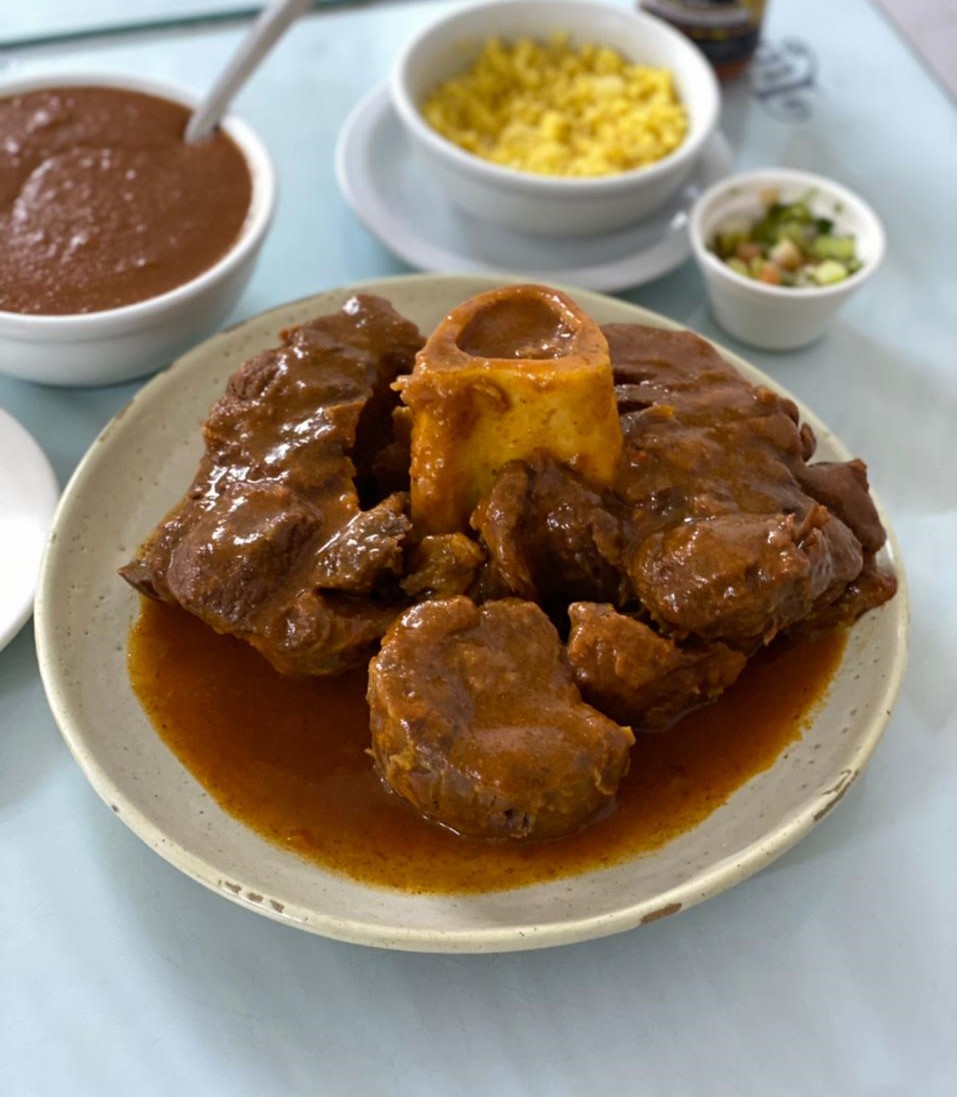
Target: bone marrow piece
[(477, 722), (507, 373)]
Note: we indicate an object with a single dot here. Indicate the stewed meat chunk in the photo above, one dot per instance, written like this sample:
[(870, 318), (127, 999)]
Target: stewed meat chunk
[(442, 565), (271, 543), (550, 536), (743, 577), (733, 536), (629, 672), (477, 722)]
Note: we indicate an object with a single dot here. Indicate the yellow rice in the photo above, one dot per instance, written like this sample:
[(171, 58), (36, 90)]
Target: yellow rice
[(555, 109)]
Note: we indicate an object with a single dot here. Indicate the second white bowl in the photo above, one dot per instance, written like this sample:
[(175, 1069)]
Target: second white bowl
[(552, 205)]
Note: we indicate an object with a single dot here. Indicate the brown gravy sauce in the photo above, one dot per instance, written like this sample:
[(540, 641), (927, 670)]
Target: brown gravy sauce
[(102, 204), (288, 758)]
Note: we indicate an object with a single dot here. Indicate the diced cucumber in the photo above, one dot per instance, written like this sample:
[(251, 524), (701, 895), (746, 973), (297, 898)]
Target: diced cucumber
[(798, 232), (797, 211), (726, 243), (829, 272), (765, 232), (788, 246), (833, 247)]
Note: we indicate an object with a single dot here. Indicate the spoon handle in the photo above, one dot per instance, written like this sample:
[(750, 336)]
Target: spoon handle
[(268, 28)]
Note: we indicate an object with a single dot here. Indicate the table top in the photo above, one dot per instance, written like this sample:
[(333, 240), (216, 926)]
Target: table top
[(834, 971)]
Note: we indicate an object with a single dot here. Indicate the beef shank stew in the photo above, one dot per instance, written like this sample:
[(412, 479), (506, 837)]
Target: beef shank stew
[(554, 535)]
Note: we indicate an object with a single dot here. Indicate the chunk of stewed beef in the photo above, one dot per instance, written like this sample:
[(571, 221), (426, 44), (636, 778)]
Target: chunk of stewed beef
[(477, 722), (634, 675), (271, 542), (732, 535), (551, 538)]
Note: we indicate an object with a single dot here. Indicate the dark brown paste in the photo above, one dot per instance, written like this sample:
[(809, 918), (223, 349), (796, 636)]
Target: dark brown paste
[(289, 758), (103, 204)]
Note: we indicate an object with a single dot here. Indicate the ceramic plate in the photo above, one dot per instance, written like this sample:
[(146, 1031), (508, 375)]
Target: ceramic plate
[(28, 498), (393, 195), (138, 469)]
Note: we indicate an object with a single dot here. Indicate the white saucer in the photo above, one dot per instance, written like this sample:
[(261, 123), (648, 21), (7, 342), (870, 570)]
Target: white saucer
[(28, 498), (393, 195)]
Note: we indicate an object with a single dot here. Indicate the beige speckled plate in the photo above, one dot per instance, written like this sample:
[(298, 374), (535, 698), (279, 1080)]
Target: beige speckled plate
[(137, 470)]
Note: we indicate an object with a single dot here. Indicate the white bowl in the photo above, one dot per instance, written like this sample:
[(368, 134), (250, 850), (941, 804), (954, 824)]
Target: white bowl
[(780, 317), (552, 205), (98, 348)]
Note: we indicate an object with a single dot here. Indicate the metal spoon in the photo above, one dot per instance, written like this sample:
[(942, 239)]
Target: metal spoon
[(265, 32)]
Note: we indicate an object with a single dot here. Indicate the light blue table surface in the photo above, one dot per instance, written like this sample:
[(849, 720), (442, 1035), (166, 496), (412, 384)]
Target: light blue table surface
[(833, 972)]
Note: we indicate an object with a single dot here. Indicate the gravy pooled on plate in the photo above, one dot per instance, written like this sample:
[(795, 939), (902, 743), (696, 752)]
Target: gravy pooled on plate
[(102, 203), (288, 758)]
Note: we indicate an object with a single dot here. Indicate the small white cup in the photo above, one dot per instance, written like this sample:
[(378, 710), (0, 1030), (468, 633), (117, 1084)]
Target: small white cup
[(780, 317)]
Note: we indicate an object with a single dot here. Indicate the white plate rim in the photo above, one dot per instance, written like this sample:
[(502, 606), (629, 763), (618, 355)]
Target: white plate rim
[(23, 456), (366, 202), (723, 873)]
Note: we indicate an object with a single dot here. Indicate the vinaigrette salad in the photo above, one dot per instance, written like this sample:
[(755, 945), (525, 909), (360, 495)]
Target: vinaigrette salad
[(788, 246)]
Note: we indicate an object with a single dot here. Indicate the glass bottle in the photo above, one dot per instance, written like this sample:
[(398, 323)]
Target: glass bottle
[(726, 31)]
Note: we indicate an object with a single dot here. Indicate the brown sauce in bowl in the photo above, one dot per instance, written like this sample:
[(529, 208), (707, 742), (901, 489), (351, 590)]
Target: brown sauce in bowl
[(289, 758), (102, 203)]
